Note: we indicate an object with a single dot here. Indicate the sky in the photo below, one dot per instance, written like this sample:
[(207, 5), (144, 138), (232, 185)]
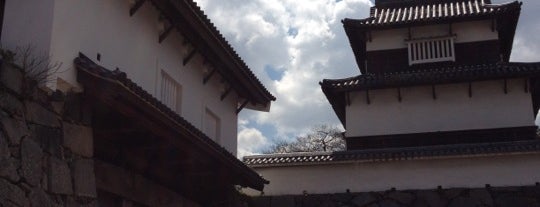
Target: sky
[(291, 45)]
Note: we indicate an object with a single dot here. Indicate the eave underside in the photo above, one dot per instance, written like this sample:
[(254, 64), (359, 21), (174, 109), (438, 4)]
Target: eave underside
[(135, 131)]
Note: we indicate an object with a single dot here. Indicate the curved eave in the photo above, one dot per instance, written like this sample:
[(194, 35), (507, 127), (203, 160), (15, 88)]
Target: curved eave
[(335, 90), (190, 20), (110, 85), (506, 15)]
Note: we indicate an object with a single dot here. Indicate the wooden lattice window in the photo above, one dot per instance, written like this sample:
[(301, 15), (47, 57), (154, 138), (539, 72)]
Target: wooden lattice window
[(171, 92), (428, 50)]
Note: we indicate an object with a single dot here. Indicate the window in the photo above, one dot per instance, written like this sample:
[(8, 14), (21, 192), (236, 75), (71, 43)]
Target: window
[(429, 50), (212, 125), (171, 92)]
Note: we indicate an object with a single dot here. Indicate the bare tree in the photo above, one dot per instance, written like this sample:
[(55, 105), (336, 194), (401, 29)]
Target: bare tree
[(321, 138)]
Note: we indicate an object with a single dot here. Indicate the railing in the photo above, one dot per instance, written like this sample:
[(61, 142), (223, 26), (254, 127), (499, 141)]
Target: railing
[(170, 92), (430, 50)]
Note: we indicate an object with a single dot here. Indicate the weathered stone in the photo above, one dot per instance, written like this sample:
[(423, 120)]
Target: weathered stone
[(76, 110), (49, 138), (261, 201), (463, 201), (11, 104), (4, 147), (31, 165), (452, 193), (431, 198), (38, 197), (74, 203), (59, 177), (342, 197), (8, 169), (78, 139), (11, 77), (58, 107), (84, 180), (401, 197), (283, 201), (388, 203), (38, 114), (514, 200), (11, 193), (15, 129), (482, 195), (363, 199)]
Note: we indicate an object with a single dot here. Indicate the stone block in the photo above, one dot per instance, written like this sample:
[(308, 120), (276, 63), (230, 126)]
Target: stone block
[(84, 180), (363, 199), (463, 201), (50, 139), (11, 104), (8, 169), (31, 161), (78, 139), (15, 129), (482, 195), (388, 203), (11, 193), (38, 114), (38, 197), (261, 201), (59, 177), (283, 201), (431, 198), (401, 197), (515, 200), (12, 78)]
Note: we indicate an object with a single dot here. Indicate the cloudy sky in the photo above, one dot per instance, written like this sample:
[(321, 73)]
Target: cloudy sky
[(291, 45)]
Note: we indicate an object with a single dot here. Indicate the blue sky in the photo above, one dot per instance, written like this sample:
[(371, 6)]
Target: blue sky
[(291, 45)]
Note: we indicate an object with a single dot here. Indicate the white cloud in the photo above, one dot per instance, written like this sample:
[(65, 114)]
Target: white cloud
[(306, 41), (252, 141)]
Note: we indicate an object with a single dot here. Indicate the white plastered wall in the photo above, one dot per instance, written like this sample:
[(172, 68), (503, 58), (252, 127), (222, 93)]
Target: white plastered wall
[(66, 27), (452, 109), (465, 32), (466, 172)]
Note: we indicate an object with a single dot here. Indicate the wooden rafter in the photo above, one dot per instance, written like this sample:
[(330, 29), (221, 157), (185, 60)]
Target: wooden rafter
[(367, 97), (207, 77), (224, 94), (505, 86), (189, 56), (165, 33), (242, 106), (138, 4), (526, 85)]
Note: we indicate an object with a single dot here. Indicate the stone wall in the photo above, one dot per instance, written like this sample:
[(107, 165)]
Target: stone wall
[(45, 145), (455, 197)]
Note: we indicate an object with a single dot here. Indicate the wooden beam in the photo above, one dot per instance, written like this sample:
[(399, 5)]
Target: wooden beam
[(242, 106), (226, 93), (164, 35), (399, 94), (470, 90), (434, 92), (526, 85), (207, 78), (348, 98), (505, 86), (138, 4), (189, 56), (367, 97)]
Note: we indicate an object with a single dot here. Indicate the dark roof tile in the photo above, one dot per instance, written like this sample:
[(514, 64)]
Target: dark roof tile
[(393, 154)]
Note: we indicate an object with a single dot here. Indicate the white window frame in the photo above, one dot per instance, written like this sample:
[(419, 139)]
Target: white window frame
[(170, 92), (432, 49)]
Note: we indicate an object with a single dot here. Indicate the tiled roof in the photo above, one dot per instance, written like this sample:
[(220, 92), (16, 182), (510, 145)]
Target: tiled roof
[(188, 11), (88, 67), (394, 154), (431, 12), (433, 76)]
